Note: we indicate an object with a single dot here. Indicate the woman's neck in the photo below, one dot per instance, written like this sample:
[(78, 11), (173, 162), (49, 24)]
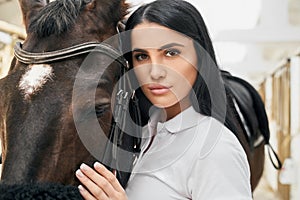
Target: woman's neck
[(175, 109)]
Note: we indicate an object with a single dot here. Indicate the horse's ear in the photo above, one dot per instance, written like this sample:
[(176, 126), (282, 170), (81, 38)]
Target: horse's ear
[(124, 8), (91, 4), (30, 8)]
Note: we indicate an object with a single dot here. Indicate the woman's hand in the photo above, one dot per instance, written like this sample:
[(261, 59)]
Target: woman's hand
[(99, 183)]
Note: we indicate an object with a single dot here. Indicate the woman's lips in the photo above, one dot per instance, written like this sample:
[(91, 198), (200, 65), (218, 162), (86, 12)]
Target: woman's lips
[(158, 89)]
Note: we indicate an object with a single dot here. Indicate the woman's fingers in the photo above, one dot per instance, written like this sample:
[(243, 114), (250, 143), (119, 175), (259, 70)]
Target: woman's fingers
[(109, 176), (85, 194), (91, 180), (101, 183)]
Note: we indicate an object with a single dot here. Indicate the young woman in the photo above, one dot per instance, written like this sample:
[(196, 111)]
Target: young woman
[(189, 149)]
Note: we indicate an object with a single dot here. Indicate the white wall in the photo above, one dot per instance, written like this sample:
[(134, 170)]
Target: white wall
[(295, 126)]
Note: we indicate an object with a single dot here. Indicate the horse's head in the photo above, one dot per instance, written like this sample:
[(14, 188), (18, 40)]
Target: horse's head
[(38, 99)]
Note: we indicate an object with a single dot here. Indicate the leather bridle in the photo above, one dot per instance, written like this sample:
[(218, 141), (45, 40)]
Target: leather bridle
[(69, 52)]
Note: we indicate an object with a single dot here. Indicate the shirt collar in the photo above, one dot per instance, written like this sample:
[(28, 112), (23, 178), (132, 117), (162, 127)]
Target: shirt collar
[(184, 120)]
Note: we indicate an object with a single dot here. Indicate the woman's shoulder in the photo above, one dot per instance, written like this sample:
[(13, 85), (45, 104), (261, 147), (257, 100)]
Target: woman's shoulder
[(220, 166), (219, 141)]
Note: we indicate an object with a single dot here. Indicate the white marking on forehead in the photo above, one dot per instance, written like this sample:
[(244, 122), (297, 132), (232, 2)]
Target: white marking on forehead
[(34, 79)]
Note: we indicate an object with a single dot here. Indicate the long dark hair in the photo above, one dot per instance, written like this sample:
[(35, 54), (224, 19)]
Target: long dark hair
[(210, 98)]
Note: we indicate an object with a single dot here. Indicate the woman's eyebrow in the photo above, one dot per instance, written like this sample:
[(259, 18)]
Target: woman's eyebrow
[(139, 50), (166, 46), (170, 45)]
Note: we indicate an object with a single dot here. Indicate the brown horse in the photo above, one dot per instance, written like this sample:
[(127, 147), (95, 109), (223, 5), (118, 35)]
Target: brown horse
[(37, 99)]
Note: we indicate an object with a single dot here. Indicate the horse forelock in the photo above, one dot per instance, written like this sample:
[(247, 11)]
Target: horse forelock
[(34, 79), (56, 17), (60, 15)]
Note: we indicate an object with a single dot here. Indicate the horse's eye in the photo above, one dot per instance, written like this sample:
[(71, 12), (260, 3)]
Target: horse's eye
[(101, 109)]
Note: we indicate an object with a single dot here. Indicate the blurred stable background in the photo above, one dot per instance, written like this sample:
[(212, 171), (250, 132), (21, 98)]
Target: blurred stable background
[(258, 40)]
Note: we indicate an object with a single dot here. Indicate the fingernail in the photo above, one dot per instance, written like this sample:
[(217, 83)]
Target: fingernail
[(84, 167), (79, 173), (97, 164), (81, 188)]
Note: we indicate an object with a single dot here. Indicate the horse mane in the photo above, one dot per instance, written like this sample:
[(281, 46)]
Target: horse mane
[(56, 17)]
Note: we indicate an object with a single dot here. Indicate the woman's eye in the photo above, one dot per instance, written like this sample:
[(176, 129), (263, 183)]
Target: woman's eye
[(140, 57), (172, 52)]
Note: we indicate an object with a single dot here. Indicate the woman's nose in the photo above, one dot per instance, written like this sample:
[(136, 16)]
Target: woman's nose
[(157, 71)]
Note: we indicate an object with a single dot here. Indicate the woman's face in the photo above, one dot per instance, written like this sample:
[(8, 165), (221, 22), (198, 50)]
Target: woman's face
[(165, 63)]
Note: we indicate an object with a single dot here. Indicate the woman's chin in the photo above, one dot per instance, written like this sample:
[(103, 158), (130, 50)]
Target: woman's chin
[(164, 105)]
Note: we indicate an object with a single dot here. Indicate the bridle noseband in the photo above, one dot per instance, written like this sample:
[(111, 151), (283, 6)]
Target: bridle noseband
[(69, 52)]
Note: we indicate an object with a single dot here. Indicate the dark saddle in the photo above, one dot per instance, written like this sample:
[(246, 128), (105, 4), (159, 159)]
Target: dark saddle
[(252, 113)]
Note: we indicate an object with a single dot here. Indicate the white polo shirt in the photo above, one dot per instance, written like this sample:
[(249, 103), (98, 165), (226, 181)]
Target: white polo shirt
[(191, 157)]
